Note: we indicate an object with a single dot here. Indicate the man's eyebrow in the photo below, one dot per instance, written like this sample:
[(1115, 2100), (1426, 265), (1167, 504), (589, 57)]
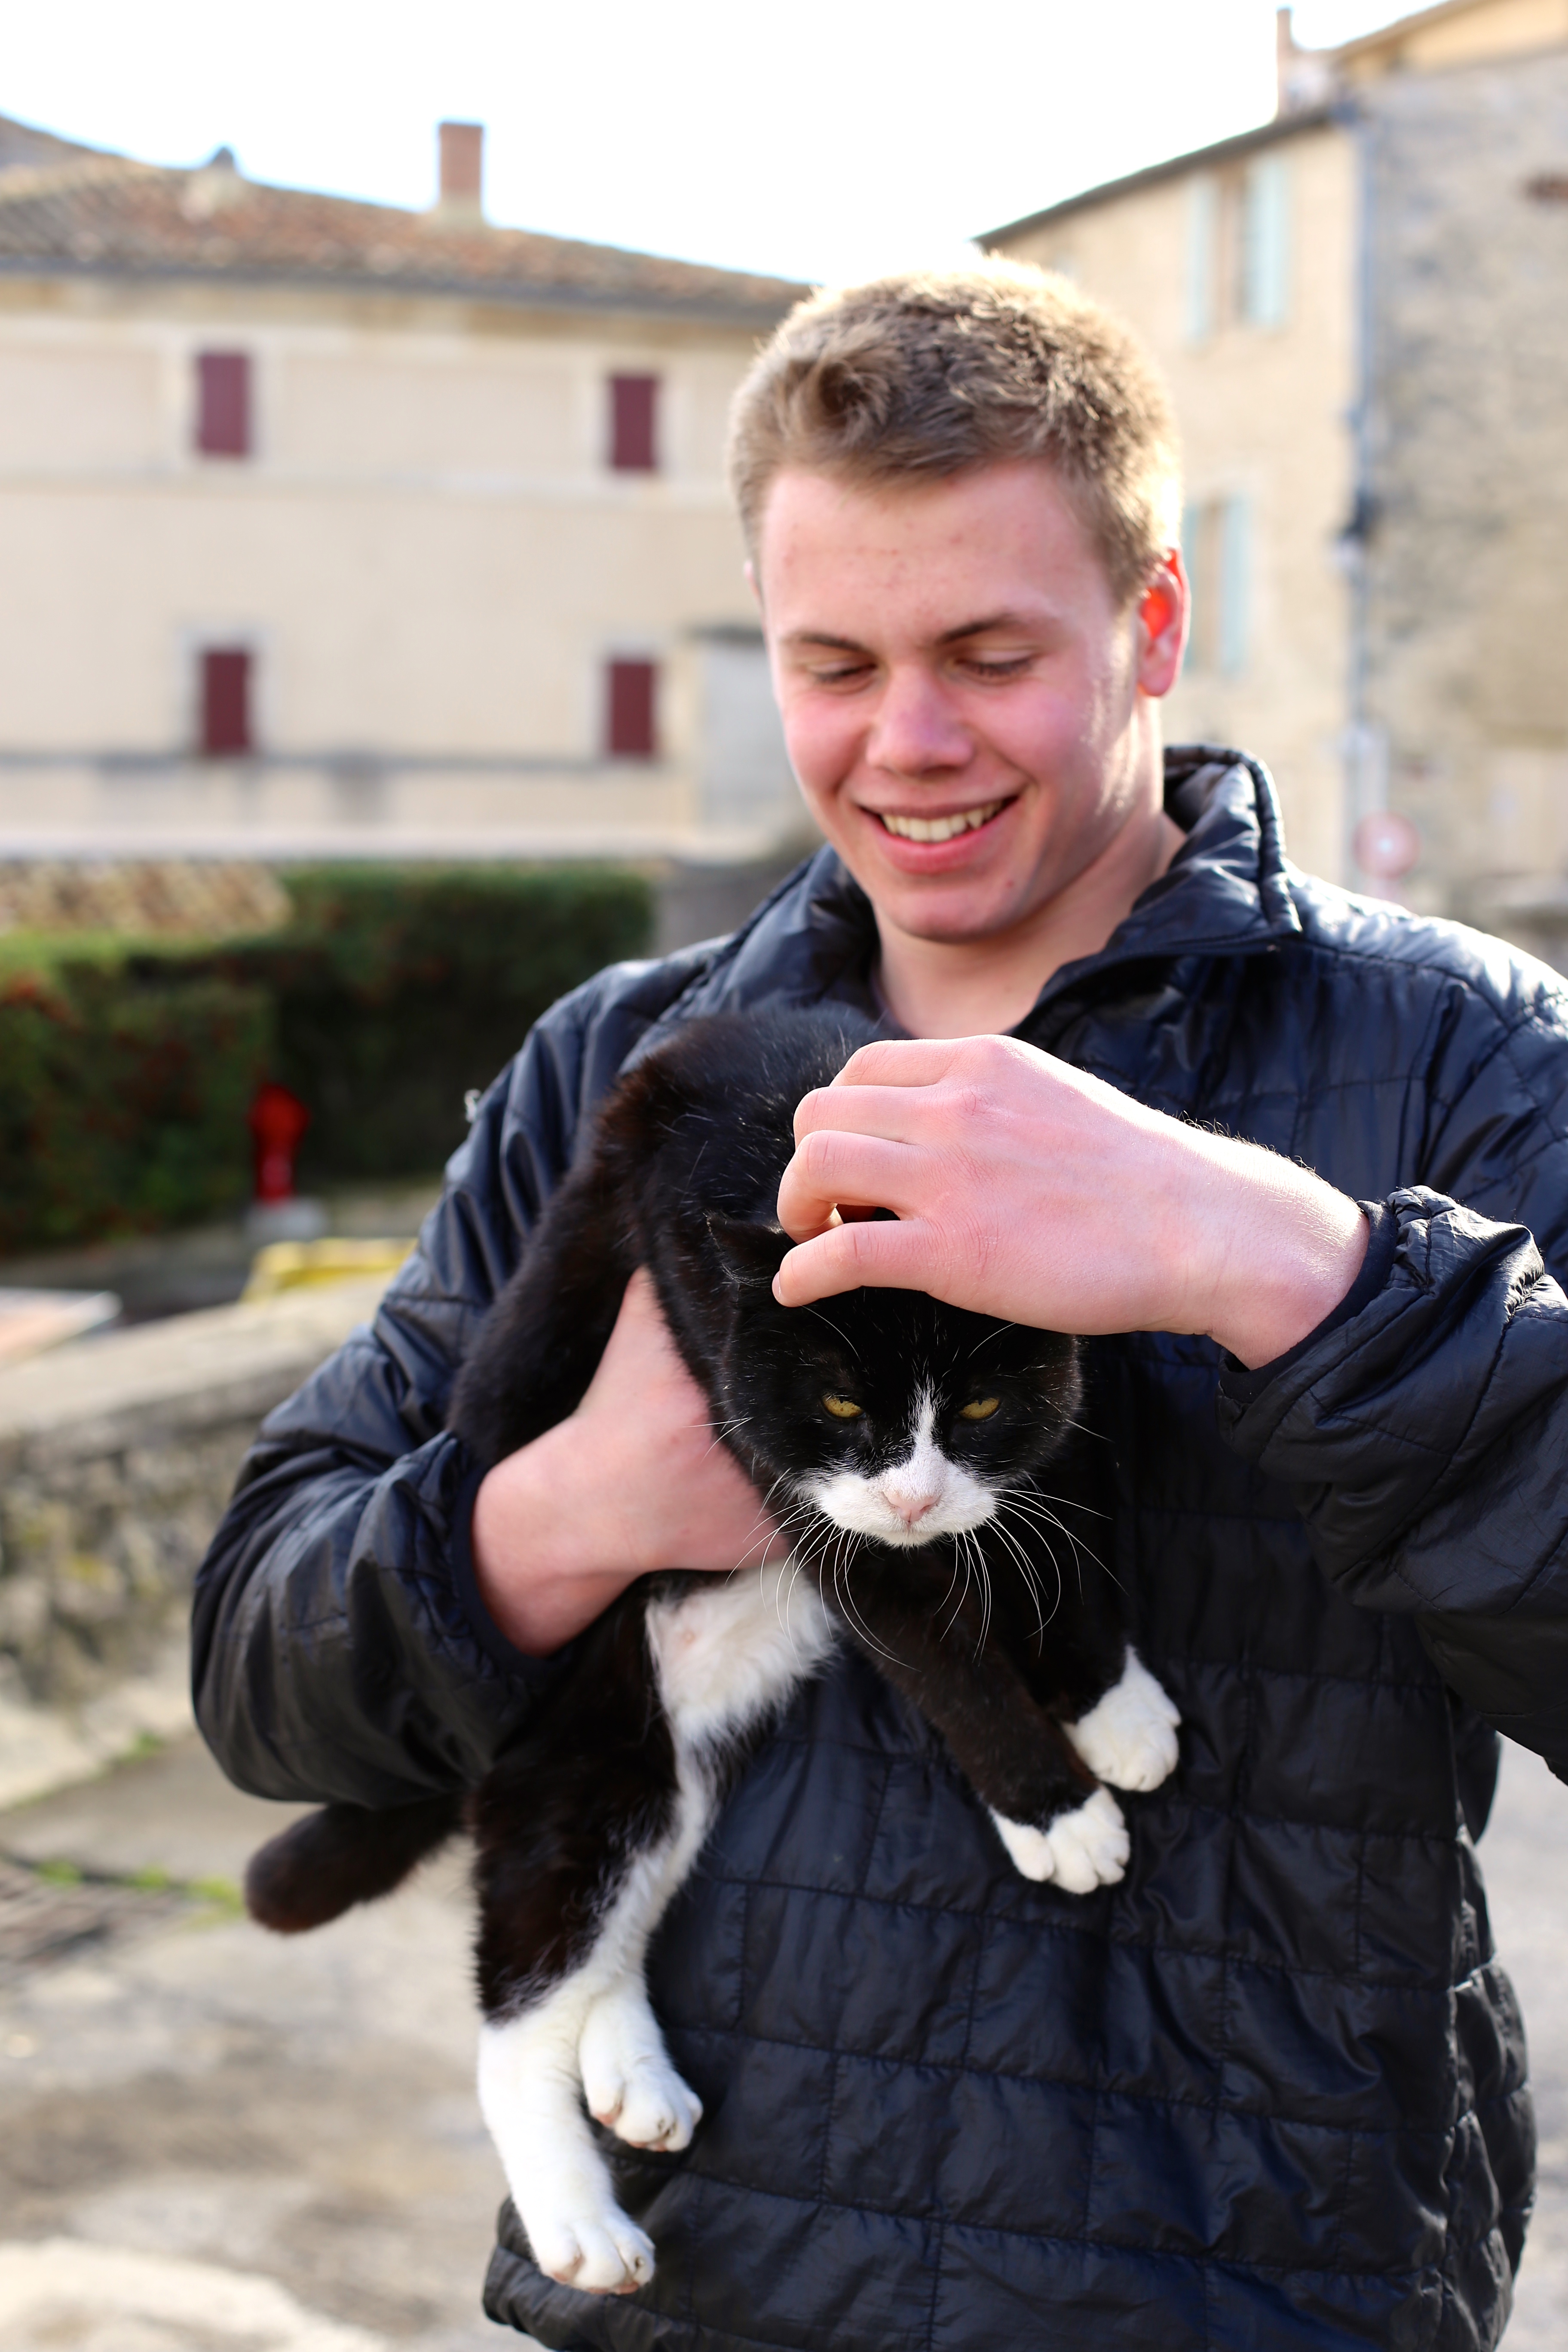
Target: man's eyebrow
[(949, 637), (982, 628)]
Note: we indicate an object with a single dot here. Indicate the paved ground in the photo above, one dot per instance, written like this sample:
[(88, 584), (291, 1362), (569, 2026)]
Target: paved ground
[(216, 2142)]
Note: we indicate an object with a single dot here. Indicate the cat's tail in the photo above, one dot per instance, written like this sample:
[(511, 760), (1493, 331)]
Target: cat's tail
[(342, 1855)]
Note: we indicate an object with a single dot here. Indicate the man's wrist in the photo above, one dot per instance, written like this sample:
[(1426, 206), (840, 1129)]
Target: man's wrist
[(1289, 1256), (538, 1552)]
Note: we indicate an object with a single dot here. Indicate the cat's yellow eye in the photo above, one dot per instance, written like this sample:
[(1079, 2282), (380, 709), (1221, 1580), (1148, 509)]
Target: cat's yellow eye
[(841, 1408), (978, 1408)]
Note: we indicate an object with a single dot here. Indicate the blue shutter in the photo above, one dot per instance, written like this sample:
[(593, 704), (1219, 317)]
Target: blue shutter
[(1203, 254), (1234, 585), (1266, 267)]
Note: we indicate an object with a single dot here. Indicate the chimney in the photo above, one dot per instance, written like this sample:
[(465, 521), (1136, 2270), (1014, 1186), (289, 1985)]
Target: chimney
[(1304, 78), (462, 171)]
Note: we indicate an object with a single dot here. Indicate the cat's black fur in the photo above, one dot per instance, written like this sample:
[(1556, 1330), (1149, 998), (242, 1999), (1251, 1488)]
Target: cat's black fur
[(1001, 1637)]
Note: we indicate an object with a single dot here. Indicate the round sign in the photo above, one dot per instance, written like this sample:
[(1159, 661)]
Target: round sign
[(1386, 844)]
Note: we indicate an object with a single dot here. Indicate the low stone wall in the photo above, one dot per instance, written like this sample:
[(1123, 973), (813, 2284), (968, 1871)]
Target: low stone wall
[(117, 1455)]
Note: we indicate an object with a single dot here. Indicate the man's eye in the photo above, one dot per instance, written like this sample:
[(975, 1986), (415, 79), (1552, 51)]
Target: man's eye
[(1010, 665), (979, 1408), (842, 1408)]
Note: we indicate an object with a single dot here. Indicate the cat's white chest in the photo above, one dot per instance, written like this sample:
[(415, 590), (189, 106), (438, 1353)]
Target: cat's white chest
[(729, 1650)]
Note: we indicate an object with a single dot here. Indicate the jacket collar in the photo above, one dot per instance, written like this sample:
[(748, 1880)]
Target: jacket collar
[(1225, 892)]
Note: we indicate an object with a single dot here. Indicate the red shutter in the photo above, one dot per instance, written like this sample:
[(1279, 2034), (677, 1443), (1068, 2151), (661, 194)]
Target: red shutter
[(225, 703), (634, 405), (223, 403), (630, 709)]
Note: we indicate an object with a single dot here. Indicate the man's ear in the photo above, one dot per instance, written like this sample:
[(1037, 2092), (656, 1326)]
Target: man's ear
[(753, 1253)]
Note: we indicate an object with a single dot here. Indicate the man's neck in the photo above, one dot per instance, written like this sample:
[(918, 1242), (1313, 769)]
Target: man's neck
[(973, 988)]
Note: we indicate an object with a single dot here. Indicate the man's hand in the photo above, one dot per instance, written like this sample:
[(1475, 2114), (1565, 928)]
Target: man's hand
[(1028, 1190), (634, 1481)]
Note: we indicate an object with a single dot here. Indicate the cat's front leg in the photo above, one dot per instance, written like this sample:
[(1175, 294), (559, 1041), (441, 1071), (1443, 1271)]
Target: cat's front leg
[(628, 2080), (1129, 1735), (1080, 1850), (1055, 1822)]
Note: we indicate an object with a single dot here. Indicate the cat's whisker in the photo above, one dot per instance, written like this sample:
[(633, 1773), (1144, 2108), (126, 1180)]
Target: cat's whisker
[(958, 1605), (845, 1601), (1031, 1584), (988, 1336), (837, 1334)]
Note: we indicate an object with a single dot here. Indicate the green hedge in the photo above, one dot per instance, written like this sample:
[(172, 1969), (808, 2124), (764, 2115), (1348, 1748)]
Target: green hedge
[(125, 1070), (122, 1096), (398, 990)]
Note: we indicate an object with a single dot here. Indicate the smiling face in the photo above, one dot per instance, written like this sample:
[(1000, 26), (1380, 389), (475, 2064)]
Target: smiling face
[(968, 710)]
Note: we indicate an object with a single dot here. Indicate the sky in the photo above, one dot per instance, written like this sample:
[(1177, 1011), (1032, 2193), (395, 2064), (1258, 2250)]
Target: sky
[(824, 139)]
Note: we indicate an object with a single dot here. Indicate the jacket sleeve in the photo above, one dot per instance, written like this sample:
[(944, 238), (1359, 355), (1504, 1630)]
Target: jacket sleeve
[(340, 1648), (1424, 1426)]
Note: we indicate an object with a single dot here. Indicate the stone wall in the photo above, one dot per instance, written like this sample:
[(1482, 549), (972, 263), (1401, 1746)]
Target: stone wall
[(117, 1455), (1469, 226)]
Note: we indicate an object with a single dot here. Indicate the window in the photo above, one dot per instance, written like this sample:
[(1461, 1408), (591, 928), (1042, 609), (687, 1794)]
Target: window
[(223, 403), (631, 690), (1262, 243), (634, 418), (1239, 248), (1217, 540), (225, 715)]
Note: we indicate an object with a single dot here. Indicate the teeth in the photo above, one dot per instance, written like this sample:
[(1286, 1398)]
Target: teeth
[(939, 828)]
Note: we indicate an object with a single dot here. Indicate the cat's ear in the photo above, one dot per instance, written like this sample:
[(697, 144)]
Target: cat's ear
[(753, 1253)]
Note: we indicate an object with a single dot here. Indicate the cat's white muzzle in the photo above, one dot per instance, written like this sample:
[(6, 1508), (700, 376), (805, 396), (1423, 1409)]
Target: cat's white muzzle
[(916, 1501)]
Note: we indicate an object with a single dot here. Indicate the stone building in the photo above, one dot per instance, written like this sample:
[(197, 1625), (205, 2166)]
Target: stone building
[(332, 529), (1362, 309)]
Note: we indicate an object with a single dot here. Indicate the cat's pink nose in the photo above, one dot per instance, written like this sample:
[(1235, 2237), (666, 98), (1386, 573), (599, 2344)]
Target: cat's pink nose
[(910, 1508)]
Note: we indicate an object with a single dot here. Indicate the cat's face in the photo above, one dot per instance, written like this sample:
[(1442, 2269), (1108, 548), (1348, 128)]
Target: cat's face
[(889, 1416)]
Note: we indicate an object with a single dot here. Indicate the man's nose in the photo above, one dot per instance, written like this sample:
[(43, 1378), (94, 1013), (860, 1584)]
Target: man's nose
[(916, 728)]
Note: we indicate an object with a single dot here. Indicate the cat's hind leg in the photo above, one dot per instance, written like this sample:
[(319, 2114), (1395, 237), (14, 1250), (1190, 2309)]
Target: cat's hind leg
[(528, 2081), (628, 2079)]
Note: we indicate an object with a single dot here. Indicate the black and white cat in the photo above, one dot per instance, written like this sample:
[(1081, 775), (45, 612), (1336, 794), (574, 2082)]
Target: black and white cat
[(902, 1446)]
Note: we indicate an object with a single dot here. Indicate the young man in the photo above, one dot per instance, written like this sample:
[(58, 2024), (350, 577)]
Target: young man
[(1270, 2090)]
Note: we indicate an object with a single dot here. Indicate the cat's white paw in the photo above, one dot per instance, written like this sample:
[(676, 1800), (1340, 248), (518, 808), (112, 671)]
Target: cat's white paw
[(587, 2243), (1082, 1850), (627, 2078), (1129, 1736)]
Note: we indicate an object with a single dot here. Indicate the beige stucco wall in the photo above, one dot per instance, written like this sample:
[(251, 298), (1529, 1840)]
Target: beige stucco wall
[(1264, 414), (427, 551), (1437, 37)]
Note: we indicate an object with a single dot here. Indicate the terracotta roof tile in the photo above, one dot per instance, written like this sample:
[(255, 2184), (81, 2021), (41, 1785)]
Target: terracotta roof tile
[(108, 215)]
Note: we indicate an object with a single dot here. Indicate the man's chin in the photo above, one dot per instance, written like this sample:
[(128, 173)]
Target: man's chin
[(944, 914)]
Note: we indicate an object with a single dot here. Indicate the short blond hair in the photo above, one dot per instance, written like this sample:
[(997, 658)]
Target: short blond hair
[(927, 375)]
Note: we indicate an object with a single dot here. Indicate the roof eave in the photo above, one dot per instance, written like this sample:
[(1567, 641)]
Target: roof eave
[(1222, 151), (465, 290)]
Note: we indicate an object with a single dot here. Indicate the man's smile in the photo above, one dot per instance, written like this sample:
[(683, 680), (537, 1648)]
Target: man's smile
[(939, 828)]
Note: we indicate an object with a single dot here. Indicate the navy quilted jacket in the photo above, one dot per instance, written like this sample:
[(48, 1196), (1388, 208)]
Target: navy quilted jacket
[(1267, 2092)]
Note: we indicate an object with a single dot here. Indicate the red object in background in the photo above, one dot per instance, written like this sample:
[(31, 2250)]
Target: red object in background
[(1386, 845), (276, 1120)]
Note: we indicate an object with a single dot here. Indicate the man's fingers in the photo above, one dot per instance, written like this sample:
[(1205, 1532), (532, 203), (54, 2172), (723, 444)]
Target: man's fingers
[(829, 1167), (880, 1255), (903, 1114), (900, 1062)]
